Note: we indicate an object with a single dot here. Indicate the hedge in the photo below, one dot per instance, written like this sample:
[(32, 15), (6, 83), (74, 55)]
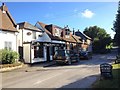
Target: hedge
[(8, 57)]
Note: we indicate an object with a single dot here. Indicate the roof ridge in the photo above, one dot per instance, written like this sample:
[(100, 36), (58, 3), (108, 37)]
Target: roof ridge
[(5, 8)]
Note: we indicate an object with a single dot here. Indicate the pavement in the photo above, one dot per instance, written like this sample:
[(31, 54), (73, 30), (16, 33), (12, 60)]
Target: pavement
[(36, 66)]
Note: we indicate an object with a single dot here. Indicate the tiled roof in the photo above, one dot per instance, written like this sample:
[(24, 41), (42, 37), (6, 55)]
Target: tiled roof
[(49, 34), (6, 23), (77, 38), (82, 34), (26, 25), (86, 36), (70, 39)]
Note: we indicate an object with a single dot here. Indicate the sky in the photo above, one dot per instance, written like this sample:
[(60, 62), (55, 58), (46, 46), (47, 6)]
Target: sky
[(77, 15)]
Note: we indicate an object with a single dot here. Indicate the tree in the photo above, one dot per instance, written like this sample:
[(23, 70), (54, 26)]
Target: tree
[(100, 38), (116, 27)]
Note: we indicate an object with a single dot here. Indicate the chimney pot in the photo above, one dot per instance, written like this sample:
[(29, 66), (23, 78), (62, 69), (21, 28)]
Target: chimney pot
[(3, 4)]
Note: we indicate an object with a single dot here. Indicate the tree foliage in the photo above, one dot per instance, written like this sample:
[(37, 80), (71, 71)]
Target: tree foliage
[(116, 26), (100, 38)]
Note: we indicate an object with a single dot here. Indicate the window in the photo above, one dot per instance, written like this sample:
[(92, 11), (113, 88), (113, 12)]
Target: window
[(57, 32), (8, 45), (67, 32), (38, 51)]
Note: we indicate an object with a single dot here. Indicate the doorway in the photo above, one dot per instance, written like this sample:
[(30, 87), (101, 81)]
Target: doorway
[(20, 51)]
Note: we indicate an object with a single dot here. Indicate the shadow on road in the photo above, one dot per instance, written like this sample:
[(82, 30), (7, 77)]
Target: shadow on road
[(82, 83)]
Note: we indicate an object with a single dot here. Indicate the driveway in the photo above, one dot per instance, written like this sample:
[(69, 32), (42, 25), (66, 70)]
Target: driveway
[(77, 75)]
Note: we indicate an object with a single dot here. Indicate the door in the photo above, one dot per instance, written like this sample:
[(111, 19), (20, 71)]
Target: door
[(20, 51)]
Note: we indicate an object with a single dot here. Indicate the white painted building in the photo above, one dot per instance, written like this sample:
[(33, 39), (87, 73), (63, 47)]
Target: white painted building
[(8, 30), (28, 41)]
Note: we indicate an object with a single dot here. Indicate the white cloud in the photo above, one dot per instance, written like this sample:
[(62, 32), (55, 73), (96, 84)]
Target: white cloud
[(87, 14), (75, 10)]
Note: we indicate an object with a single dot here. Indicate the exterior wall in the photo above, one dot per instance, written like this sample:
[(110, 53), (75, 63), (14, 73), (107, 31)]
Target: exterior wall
[(26, 51), (84, 47), (89, 42), (20, 38), (90, 47), (27, 38), (8, 37), (37, 34), (29, 54)]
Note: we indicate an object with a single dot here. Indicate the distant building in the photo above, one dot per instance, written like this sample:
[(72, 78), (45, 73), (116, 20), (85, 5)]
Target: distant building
[(86, 41)]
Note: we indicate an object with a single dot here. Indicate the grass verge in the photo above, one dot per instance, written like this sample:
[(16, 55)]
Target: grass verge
[(110, 83)]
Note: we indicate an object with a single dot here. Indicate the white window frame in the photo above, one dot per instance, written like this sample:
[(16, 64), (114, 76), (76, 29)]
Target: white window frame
[(8, 45)]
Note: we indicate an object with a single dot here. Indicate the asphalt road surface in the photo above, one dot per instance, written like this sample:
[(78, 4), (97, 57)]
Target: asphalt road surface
[(77, 75)]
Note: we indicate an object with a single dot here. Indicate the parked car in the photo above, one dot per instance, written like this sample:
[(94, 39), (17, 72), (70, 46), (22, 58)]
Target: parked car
[(66, 56), (85, 55)]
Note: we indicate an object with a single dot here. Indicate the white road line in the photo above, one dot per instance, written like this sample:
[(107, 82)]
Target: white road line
[(40, 81)]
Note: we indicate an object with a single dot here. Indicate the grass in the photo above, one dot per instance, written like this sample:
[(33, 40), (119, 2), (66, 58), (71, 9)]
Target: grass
[(110, 83)]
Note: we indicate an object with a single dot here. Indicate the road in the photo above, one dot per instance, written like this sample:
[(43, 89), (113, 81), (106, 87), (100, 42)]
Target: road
[(77, 75)]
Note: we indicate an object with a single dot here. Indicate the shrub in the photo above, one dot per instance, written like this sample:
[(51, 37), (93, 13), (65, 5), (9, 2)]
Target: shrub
[(0, 56), (8, 57)]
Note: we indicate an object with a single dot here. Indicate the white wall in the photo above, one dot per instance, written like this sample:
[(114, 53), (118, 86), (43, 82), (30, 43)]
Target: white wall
[(26, 52), (19, 38), (9, 37), (89, 42), (27, 38), (37, 34)]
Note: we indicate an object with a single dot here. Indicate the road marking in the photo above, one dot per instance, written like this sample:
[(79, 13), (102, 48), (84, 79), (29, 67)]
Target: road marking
[(40, 81)]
